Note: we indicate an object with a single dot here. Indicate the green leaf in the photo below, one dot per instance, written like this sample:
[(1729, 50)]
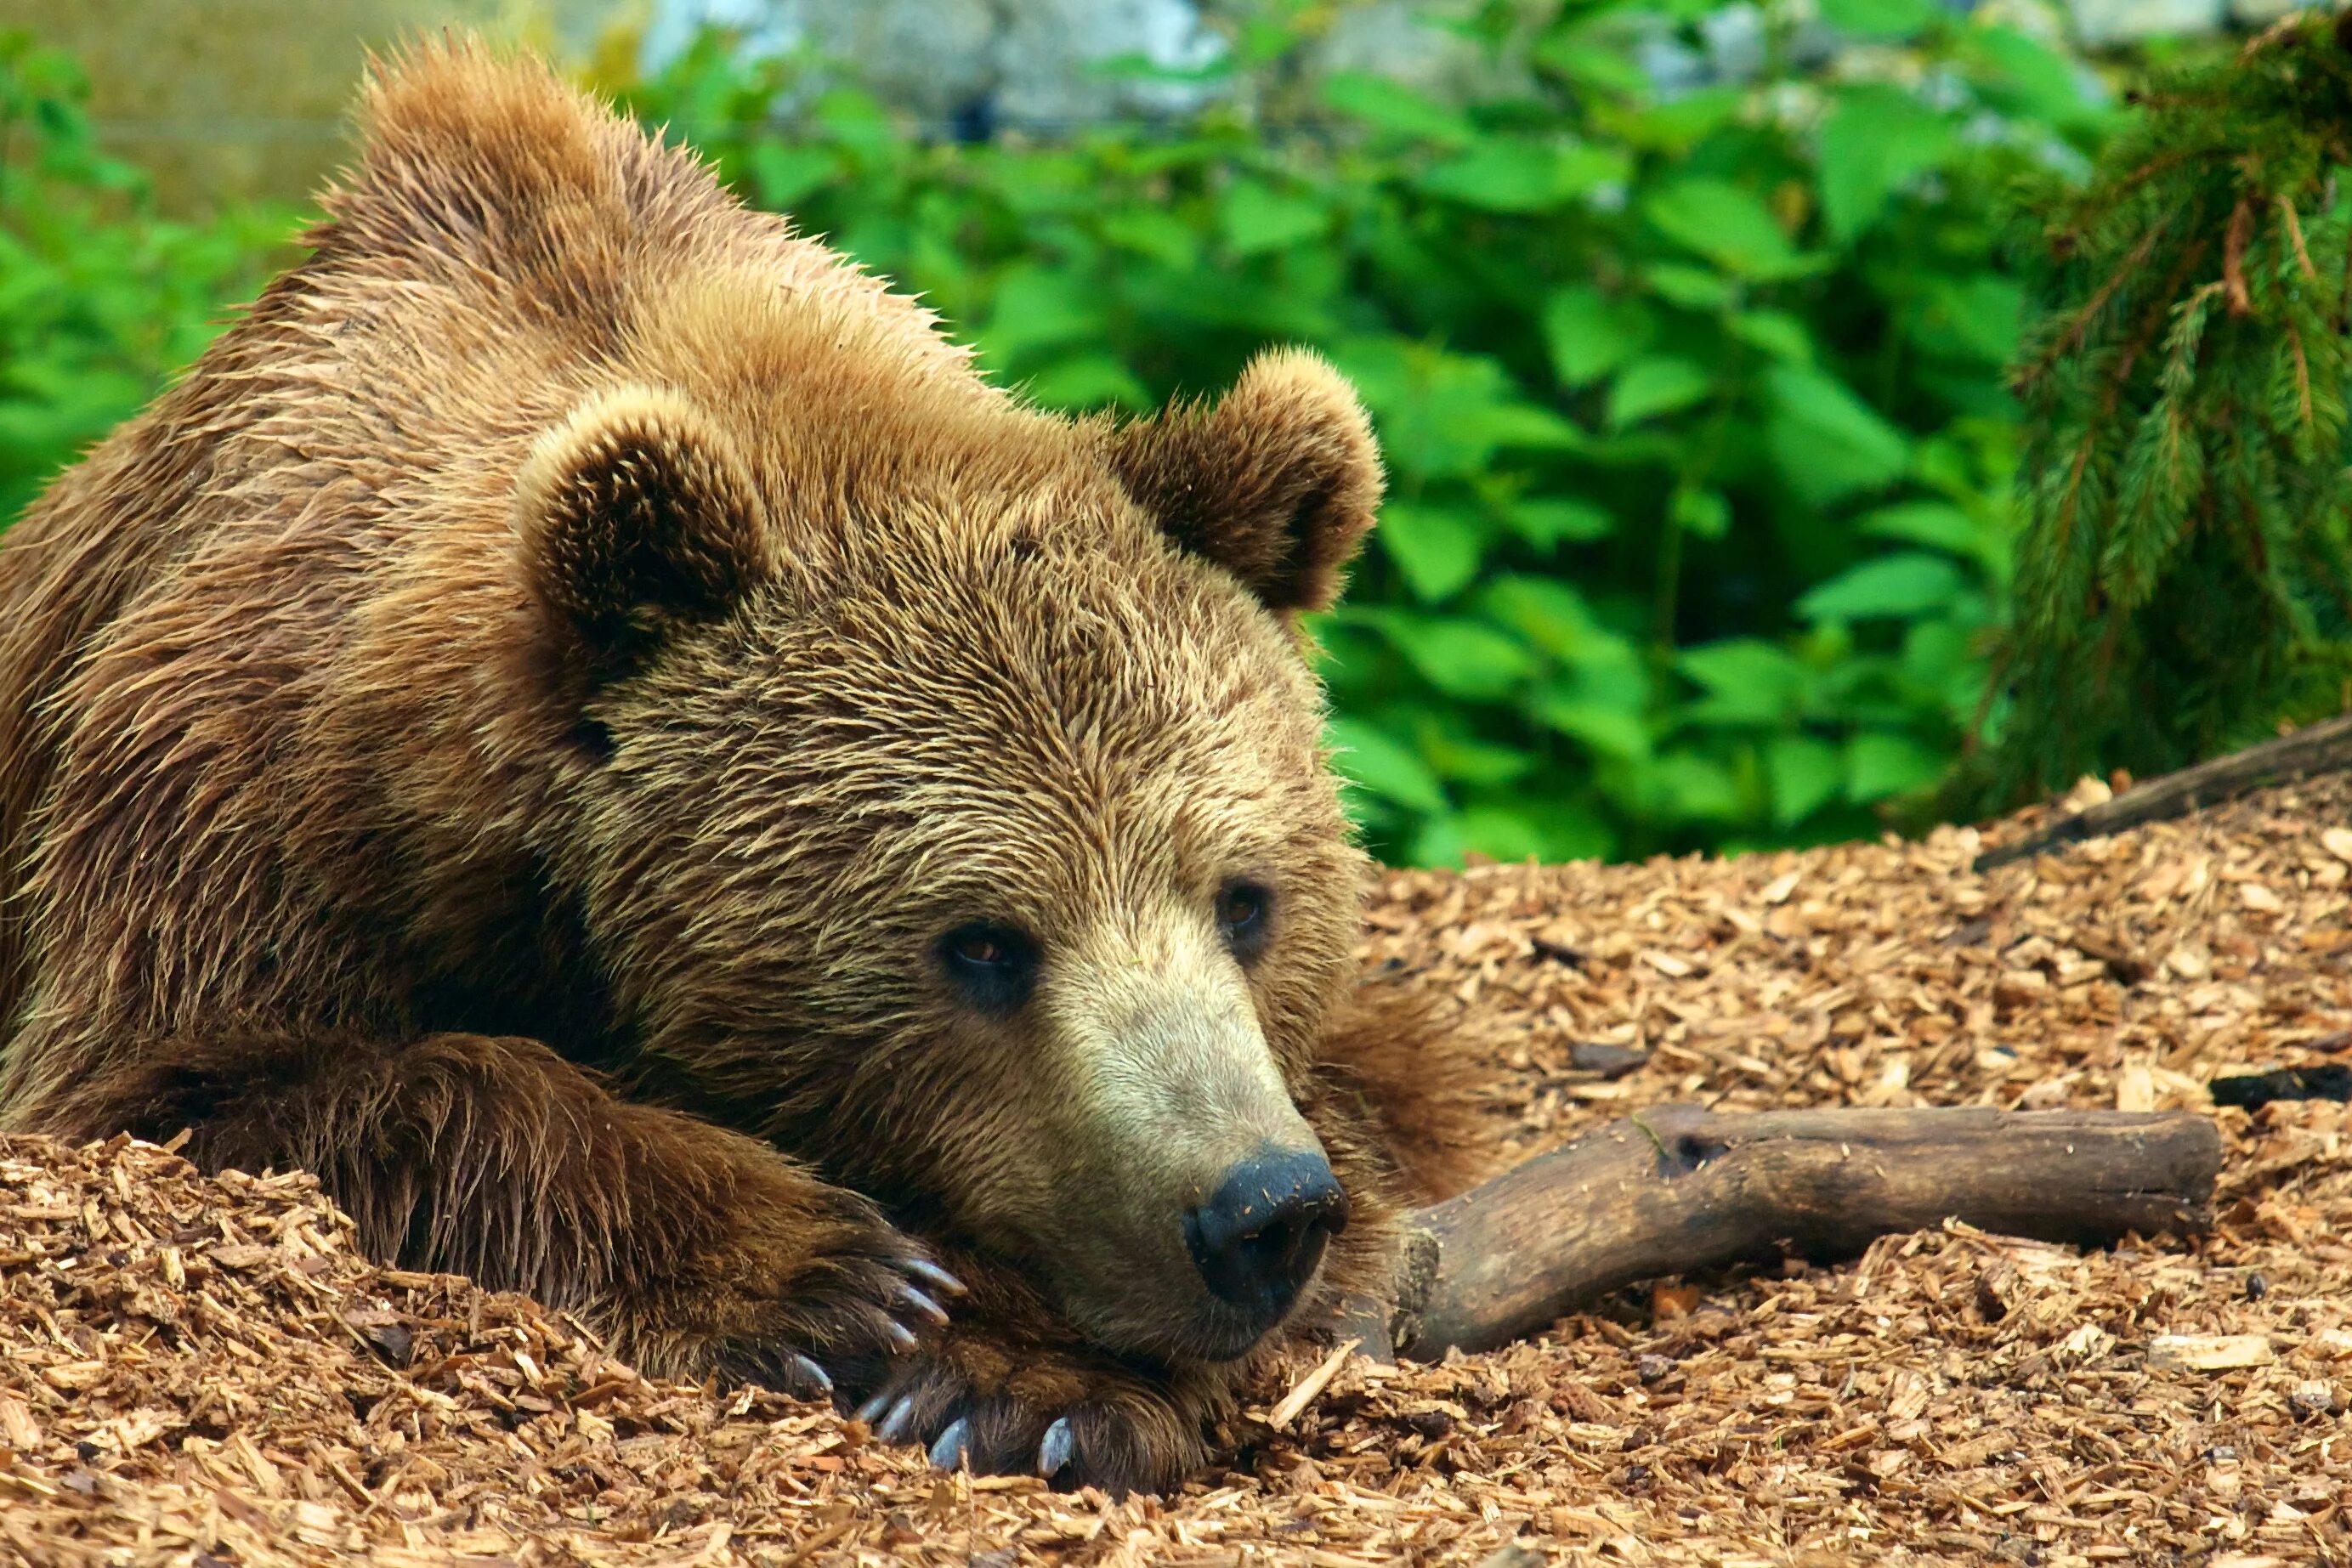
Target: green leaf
[(1724, 224), (1803, 775), (1826, 442), (1088, 381), (2043, 83), (1747, 681), (1573, 830), (1530, 427), (1546, 521), (1649, 387), (1938, 525), (1676, 125), (1553, 616), (1476, 762), (1980, 316), (1593, 63), (1695, 787), (1522, 174), (1037, 307), (1590, 333), (1700, 512), (1443, 415), (1692, 288), (1879, 19), (1612, 732), (858, 121), (1386, 104), (784, 172), (1461, 658), (1908, 583), (1778, 333), (1148, 231), (1874, 141), (1374, 761), (1940, 657), (1435, 547), (1879, 765), (1502, 833), (1257, 218)]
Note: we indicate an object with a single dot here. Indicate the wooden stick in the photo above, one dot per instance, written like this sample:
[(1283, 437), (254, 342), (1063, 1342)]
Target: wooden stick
[(2321, 747), (1679, 1188)]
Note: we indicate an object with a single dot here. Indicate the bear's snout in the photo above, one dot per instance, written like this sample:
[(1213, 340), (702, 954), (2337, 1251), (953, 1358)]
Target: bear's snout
[(1260, 1237)]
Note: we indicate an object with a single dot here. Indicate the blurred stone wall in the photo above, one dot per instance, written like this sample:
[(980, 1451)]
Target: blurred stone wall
[(247, 97), (966, 66), (221, 98), (233, 97)]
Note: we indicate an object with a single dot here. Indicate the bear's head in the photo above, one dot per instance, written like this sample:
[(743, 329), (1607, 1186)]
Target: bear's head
[(947, 802)]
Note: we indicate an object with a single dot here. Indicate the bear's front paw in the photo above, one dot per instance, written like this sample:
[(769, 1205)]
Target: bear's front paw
[(799, 1301), (1007, 1411)]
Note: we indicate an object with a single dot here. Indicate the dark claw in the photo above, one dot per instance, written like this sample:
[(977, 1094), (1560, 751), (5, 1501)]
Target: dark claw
[(897, 1337), (923, 1303), (871, 1411), (931, 1274), (947, 1453), (1054, 1454), (899, 1424), (806, 1379)]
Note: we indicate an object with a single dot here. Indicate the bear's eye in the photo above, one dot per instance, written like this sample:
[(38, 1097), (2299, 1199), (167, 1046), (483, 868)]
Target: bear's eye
[(991, 965), (1243, 914)]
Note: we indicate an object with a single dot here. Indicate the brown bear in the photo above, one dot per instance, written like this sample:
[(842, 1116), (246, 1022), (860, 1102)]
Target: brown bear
[(586, 722)]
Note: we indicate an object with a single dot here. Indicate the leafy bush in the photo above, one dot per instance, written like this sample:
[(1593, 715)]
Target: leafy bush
[(1700, 450), (99, 298)]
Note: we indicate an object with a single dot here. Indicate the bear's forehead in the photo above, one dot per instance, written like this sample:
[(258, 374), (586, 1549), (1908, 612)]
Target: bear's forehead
[(1039, 715), (1080, 627)]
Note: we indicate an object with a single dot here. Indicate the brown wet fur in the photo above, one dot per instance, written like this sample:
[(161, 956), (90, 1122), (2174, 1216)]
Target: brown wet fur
[(507, 731)]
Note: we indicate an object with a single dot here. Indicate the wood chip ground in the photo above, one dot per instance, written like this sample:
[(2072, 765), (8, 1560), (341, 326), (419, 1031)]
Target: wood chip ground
[(199, 1371)]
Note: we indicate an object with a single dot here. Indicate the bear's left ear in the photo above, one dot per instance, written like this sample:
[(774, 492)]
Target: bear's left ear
[(1277, 482), (635, 518)]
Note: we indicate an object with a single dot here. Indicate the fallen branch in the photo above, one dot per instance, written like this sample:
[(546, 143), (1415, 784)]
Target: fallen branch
[(2323, 748), (1679, 1188)]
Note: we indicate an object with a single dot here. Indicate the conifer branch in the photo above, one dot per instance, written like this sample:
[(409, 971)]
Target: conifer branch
[(2180, 575)]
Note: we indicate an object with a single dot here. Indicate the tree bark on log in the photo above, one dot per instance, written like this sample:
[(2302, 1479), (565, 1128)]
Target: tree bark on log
[(1679, 1188), (2323, 748)]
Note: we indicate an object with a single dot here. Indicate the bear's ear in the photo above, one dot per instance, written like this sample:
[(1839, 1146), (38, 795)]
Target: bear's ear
[(635, 518), (1277, 482)]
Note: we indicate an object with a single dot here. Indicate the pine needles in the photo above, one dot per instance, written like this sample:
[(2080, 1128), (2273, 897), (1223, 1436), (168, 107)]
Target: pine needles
[(2184, 578)]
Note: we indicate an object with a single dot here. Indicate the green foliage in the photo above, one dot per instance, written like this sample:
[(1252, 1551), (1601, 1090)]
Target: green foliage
[(1693, 409), (99, 298), (2185, 577), (1700, 451)]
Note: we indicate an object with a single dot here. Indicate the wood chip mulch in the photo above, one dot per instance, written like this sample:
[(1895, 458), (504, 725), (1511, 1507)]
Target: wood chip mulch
[(199, 1371)]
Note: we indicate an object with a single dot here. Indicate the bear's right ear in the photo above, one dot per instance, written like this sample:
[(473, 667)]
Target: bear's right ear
[(635, 518), (1278, 481)]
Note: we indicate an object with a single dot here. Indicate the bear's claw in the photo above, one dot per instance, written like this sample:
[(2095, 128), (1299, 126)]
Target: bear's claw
[(931, 1274), (948, 1452), (1055, 1450), (803, 1378), (898, 1423), (923, 1305)]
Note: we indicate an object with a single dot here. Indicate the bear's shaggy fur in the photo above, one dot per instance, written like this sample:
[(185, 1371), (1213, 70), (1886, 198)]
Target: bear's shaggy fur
[(510, 730)]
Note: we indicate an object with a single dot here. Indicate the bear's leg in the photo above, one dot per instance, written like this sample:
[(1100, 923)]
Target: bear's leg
[(696, 1249)]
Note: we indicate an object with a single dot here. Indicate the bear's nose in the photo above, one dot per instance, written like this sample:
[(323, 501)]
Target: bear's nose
[(1257, 1240)]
